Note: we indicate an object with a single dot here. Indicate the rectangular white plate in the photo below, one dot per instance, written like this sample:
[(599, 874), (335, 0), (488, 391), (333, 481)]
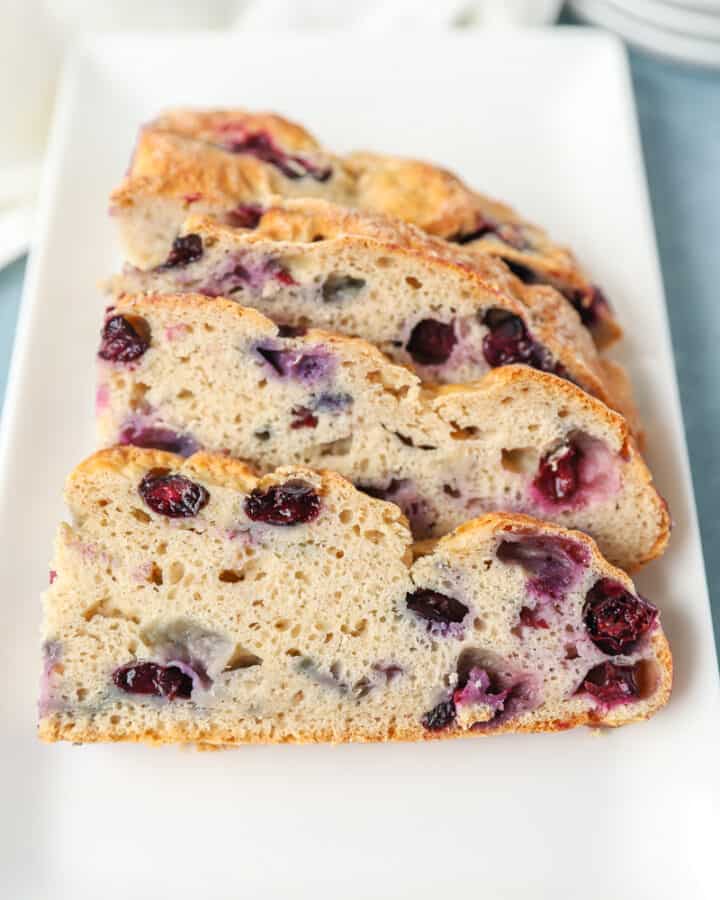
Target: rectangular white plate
[(546, 121)]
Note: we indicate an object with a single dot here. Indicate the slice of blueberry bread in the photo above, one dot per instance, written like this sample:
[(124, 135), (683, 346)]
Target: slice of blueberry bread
[(232, 163), (191, 601), (422, 301), (182, 372)]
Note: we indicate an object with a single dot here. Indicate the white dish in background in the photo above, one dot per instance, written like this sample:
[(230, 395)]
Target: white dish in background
[(687, 40), (626, 814), (668, 16)]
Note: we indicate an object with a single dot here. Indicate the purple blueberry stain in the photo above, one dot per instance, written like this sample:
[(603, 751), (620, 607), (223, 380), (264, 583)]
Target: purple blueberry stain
[(478, 690), (554, 564), (235, 138), (403, 493), (307, 366), (158, 437), (52, 652), (488, 681), (244, 271), (333, 402)]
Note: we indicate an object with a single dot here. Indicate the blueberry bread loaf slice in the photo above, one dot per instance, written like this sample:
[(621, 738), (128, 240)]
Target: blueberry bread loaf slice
[(232, 163), (183, 372), (194, 602), (423, 302)]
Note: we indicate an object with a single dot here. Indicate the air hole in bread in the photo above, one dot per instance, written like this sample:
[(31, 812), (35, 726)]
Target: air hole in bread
[(140, 515), (241, 659), (413, 282), (522, 460), (231, 576), (104, 608), (340, 447), (648, 677), (463, 434)]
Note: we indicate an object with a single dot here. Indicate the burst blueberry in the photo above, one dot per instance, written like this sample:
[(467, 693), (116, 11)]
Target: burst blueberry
[(153, 679), (293, 503), (508, 341), (614, 618), (558, 476), (186, 249), (611, 684), (431, 342), (435, 607), (124, 339), (173, 495)]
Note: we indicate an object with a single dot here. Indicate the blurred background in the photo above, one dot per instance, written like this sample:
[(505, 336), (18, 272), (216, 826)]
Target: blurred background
[(674, 51)]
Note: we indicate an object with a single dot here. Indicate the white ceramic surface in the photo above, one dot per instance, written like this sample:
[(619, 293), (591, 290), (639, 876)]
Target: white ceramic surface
[(547, 121)]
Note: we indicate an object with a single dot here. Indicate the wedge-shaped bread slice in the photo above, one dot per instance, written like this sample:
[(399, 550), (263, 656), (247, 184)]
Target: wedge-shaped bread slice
[(422, 301), (231, 163), (192, 601), (185, 371)]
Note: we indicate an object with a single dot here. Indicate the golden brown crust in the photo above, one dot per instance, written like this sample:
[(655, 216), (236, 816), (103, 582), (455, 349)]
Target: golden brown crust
[(203, 124), (212, 468)]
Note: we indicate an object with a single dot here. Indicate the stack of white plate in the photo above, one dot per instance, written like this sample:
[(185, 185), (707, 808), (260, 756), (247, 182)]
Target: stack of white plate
[(685, 30)]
